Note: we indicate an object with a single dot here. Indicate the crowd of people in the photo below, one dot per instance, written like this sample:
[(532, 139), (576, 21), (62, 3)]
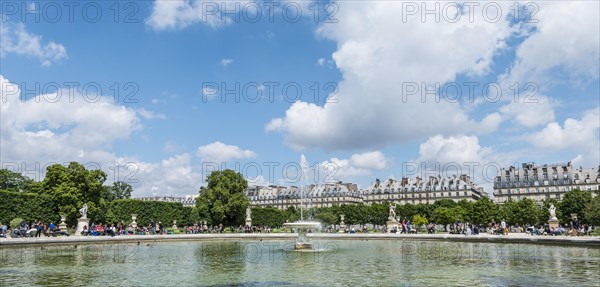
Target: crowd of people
[(33, 229), (39, 228)]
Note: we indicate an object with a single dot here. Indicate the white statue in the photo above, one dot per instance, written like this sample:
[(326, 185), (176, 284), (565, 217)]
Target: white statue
[(552, 212), (83, 211), (392, 212), (248, 212)]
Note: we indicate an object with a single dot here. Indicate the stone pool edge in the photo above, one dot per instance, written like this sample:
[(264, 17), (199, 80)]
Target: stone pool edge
[(485, 238)]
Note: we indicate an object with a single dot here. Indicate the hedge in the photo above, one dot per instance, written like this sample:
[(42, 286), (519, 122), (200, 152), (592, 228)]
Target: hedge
[(120, 210), (29, 206)]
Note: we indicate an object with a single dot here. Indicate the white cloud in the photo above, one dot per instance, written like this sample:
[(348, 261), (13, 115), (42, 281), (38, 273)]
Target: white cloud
[(226, 62), (16, 40), (371, 111), (219, 152), (172, 176), (209, 92), (536, 111), (258, 181), (321, 61), (578, 135), (361, 164), (565, 38), (150, 115), (458, 149), (178, 14), (369, 160), (35, 135)]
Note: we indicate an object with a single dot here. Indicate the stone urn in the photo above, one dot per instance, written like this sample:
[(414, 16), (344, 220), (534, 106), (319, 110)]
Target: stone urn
[(133, 218), (63, 224), (174, 224)]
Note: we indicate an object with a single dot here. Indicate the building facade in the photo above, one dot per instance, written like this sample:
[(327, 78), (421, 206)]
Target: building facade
[(543, 182), (186, 200), (407, 190), (417, 190), (324, 195)]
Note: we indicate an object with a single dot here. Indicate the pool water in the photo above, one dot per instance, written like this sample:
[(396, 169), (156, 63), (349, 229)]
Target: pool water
[(273, 263)]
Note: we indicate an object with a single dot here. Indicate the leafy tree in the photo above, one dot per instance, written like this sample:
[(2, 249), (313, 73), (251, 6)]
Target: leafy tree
[(443, 215), (72, 186), (14, 181), (484, 211), (268, 216), (467, 210), (591, 213), (378, 213), (526, 212), (327, 218), (574, 201), (224, 198), (119, 190), (507, 212), (406, 211), (448, 203), (419, 221)]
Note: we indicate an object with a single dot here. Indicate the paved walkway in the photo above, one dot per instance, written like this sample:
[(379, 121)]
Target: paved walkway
[(591, 241)]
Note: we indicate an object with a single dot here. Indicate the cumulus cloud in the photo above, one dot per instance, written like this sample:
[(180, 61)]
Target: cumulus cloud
[(150, 115), (14, 39), (219, 152), (361, 164), (453, 149), (565, 38), (226, 62), (209, 92), (579, 135), (178, 14), (38, 133), (535, 111), (372, 109)]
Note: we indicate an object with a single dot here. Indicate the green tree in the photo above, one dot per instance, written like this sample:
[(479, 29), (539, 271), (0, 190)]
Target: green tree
[(327, 218), (591, 213), (72, 186), (419, 221), (378, 213), (223, 197), (268, 216), (574, 201), (467, 210), (118, 190), (444, 216), (448, 203), (484, 211), (526, 212), (14, 181), (507, 212)]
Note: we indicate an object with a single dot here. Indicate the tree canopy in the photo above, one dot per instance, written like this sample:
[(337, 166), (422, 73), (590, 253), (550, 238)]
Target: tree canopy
[(223, 200)]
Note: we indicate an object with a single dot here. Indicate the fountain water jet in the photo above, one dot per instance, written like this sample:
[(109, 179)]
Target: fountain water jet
[(302, 227)]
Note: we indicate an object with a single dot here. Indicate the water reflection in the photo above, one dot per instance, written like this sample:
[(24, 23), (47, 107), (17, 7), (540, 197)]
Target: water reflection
[(269, 263)]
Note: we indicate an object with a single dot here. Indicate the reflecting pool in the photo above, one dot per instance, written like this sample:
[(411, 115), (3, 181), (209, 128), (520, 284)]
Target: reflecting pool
[(274, 263)]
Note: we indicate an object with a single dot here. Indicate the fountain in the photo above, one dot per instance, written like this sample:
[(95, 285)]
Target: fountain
[(302, 227)]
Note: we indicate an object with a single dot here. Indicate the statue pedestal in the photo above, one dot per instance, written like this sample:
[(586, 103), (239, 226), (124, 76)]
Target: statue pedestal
[(553, 223), (391, 225), (342, 228), (248, 222), (81, 222)]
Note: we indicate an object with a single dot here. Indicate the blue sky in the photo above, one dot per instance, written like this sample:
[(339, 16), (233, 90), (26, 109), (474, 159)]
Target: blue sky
[(164, 130)]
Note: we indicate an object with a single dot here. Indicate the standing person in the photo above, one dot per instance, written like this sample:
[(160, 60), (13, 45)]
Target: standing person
[(40, 229), (503, 226)]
